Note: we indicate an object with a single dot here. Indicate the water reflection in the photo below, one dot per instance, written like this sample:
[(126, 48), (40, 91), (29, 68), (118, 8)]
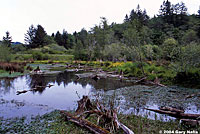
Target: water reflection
[(6, 85), (63, 95)]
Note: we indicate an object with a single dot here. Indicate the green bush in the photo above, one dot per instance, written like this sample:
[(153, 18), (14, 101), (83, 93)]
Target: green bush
[(37, 55), (5, 53)]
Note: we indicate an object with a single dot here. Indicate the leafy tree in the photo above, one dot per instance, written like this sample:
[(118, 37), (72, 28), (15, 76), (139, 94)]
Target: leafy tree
[(79, 52), (190, 36), (189, 58), (113, 52), (29, 36), (7, 39), (170, 49), (40, 34)]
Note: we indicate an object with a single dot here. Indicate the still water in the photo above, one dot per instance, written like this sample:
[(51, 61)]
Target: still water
[(67, 90), (63, 95)]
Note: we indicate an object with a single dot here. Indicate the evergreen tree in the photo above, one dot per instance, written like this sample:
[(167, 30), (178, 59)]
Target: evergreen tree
[(82, 36), (126, 18), (180, 14), (40, 34), (52, 35), (140, 16), (198, 12), (166, 12), (7, 39), (29, 36), (65, 40)]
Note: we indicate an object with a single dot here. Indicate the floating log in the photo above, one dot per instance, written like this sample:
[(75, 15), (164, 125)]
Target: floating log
[(33, 89), (175, 114), (21, 92)]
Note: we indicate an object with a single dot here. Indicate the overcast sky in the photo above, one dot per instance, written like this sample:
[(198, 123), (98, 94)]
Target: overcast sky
[(71, 15)]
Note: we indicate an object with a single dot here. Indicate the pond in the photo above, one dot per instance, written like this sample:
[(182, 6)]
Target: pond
[(67, 90)]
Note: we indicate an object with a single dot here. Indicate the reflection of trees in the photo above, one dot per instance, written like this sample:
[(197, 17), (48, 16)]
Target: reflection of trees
[(69, 77), (6, 85), (40, 82), (66, 78), (105, 84)]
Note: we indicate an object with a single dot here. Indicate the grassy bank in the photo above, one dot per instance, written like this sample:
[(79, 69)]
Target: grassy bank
[(54, 123), (165, 72)]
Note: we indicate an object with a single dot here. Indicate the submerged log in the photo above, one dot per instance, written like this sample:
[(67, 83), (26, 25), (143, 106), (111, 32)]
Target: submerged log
[(175, 114)]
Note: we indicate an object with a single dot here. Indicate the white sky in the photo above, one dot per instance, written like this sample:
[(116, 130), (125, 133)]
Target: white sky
[(71, 15)]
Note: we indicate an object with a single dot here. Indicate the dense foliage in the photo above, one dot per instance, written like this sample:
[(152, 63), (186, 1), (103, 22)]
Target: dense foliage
[(172, 36)]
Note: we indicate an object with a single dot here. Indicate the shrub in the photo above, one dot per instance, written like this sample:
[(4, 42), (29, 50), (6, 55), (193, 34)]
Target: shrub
[(37, 55), (5, 53), (190, 78), (170, 49)]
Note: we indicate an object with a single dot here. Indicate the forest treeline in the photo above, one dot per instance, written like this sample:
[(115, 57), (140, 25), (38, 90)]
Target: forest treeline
[(172, 35)]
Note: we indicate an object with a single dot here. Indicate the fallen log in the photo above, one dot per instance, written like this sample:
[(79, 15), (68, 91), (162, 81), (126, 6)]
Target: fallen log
[(141, 80), (145, 81), (175, 114), (189, 122), (172, 109), (84, 123)]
